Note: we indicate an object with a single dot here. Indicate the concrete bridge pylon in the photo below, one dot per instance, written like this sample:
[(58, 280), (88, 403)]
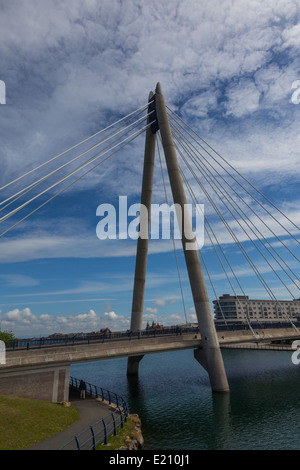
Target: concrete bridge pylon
[(142, 244), (209, 356)]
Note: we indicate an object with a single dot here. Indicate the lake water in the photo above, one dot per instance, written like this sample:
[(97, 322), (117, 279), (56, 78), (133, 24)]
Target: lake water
[(172, 396)]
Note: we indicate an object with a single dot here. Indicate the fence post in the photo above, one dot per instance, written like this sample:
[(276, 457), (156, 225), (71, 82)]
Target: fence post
[(116, 399), (114, 421), (121, 415), (77, 443), (105, 432), (93, 434)]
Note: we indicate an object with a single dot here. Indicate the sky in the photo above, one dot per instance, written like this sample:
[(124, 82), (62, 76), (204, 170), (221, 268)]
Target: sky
[(228, 68)]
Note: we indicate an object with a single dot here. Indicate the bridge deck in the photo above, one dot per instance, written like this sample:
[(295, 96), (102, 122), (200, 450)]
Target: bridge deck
[(96, 351)]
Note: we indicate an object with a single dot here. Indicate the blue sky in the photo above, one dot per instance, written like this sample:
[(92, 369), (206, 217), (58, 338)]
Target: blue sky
[(70, 69)]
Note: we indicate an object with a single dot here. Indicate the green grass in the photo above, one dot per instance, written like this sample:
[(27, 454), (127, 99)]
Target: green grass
[(25, 422)]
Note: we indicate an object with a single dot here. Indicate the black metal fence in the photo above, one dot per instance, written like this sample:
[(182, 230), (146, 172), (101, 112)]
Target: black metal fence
[(34, 343), (99, 432)]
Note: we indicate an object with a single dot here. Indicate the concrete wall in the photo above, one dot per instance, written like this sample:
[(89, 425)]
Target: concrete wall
[(47, 383)]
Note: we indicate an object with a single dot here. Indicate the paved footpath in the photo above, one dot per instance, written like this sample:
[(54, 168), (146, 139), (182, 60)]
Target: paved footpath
[(91, 411)]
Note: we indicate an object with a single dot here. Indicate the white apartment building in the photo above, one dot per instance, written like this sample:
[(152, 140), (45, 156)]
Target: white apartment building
[(239, 308)]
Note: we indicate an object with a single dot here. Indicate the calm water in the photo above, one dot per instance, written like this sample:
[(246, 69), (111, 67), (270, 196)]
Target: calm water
[(172, 396)]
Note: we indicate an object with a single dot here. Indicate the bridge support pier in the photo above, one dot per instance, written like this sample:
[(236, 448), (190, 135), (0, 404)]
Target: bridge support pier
[(133, 365), (210, 355), (211, 361)]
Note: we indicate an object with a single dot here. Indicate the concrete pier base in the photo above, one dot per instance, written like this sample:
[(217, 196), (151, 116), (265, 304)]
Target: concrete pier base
[(133, 365), (212, 362)]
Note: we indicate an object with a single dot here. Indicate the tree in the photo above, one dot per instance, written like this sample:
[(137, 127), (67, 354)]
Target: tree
[(6, 336)]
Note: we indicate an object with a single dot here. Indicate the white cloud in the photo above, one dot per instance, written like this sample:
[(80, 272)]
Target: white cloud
[(85, 58), (291, 36), (151, 310), (25, 323), (21, 316), (200, 105), (111, 315), (243, 98)]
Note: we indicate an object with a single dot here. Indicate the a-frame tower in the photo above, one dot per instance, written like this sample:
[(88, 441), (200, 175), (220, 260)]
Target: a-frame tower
[(209, 355)]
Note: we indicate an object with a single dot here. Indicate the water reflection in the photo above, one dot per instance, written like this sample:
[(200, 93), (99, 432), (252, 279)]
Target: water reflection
[(135, 393), (173, 398), (221, 420)]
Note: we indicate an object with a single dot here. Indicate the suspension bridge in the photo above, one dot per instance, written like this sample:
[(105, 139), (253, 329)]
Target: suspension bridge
[(256, 226)]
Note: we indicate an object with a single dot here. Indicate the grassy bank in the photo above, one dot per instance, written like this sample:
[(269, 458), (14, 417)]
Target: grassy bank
[(123, 436), (24, 422)]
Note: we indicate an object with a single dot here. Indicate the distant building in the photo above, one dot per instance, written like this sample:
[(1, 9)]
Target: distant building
[(154, 326), (232, 309)]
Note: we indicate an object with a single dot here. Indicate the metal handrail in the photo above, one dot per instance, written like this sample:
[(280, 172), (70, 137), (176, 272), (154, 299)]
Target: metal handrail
[(35, 343), (99, 392), (98, 432)]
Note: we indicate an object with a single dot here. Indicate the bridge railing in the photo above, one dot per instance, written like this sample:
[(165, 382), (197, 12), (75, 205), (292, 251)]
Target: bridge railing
[(34, 343), (99, 432), (255, 325), (65, 340)]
